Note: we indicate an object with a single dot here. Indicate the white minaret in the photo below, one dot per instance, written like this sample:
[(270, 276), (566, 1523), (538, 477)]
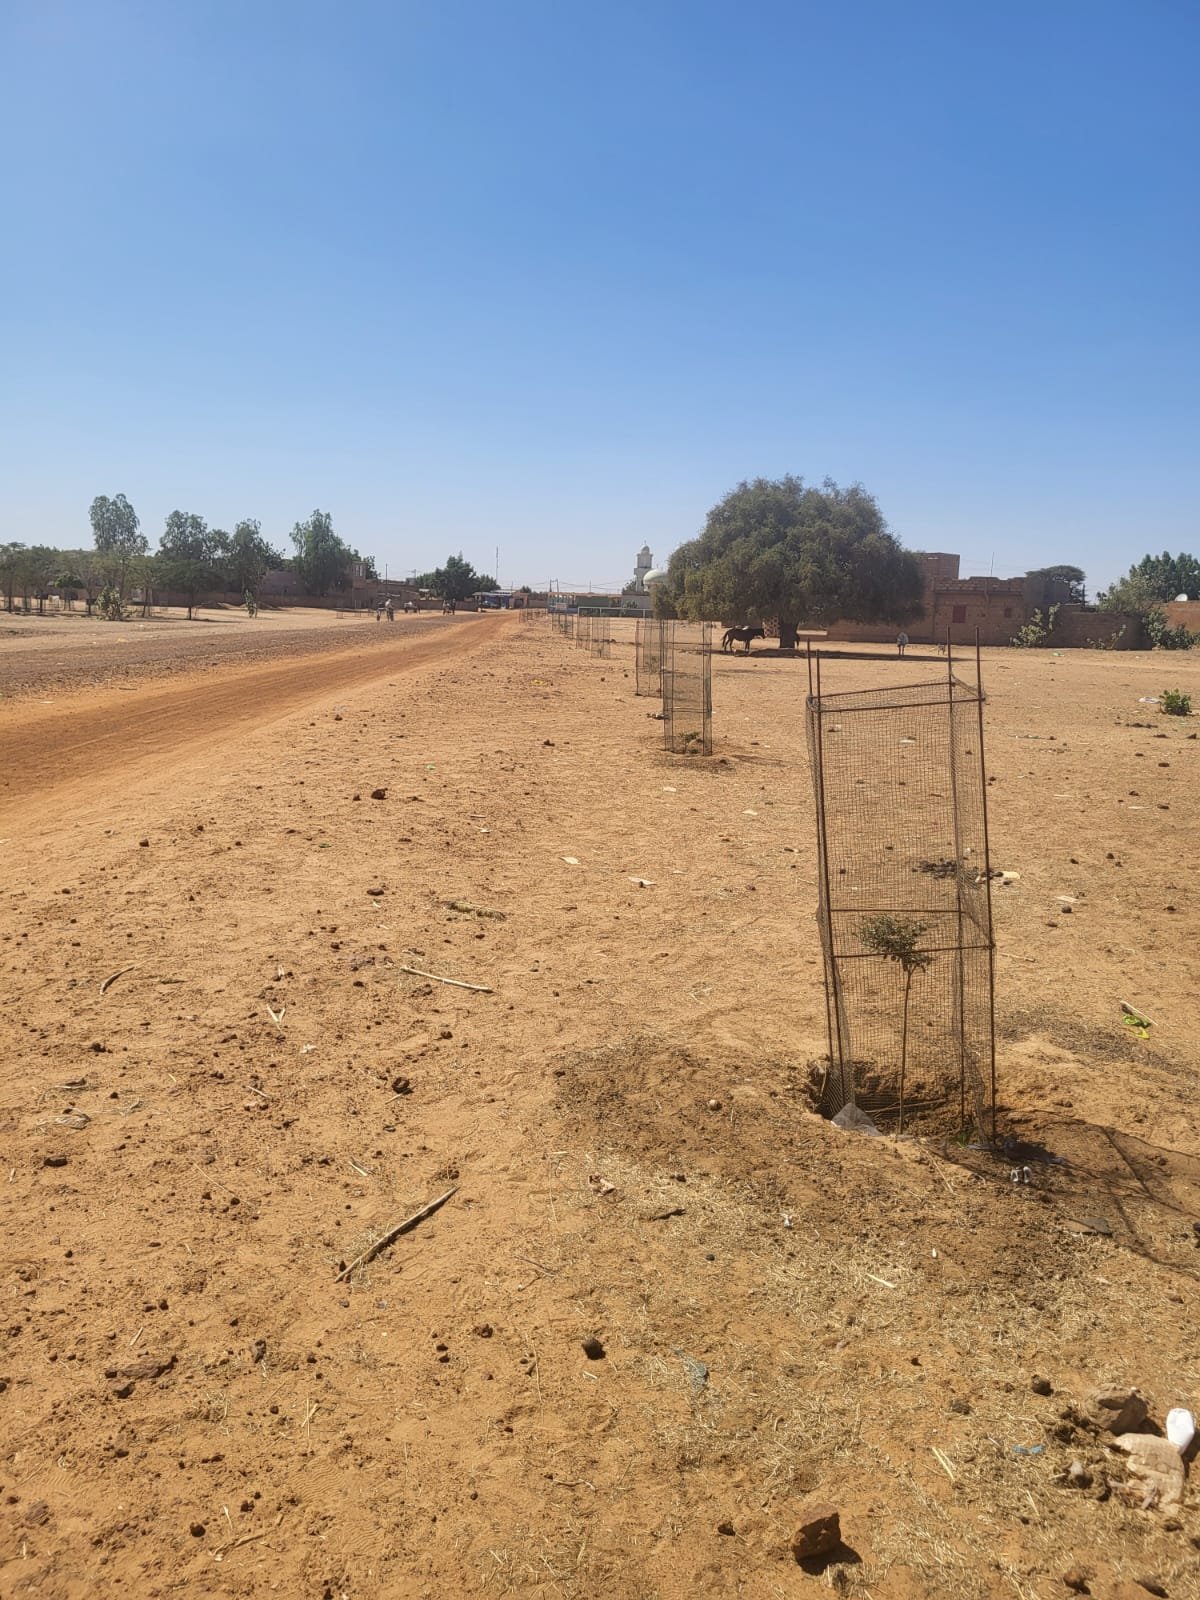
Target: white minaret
[(641, 567)]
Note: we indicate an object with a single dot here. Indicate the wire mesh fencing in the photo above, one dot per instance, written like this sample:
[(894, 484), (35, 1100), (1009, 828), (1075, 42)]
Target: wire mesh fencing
[(648, 656), (905, 908), (601, 638), (687, 687)]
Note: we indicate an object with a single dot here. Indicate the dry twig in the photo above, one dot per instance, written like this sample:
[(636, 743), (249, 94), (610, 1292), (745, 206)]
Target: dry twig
[(393, 1234), (113, 976), (457, 983)]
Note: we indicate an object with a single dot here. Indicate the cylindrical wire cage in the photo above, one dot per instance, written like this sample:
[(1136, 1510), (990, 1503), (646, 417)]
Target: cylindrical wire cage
[(648, 656), (905, 909), (687, 687)]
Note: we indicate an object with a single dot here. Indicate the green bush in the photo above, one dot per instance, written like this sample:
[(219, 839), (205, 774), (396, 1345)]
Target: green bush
[(1174, 703)]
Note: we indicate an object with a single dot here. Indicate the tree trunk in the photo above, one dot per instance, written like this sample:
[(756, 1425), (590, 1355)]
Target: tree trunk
[(787, 633)]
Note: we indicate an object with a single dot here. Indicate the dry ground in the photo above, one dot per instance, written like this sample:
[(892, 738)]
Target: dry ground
[(193, 1404)]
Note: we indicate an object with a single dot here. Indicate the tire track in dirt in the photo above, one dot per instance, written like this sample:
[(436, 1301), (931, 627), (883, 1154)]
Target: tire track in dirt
[(100, 747)]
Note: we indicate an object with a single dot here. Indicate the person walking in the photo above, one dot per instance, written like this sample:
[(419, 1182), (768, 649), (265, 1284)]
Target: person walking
[(901, 642), (390, 608)]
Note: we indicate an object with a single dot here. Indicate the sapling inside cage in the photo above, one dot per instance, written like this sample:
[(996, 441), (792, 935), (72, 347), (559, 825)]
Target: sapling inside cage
[(905, 900)]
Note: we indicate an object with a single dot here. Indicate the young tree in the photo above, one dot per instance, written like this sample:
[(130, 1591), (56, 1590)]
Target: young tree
[(249, 558), (897, 939), (322, 560), (83, 570), (40, 567), (188, 555), (782, 549), (11, 555), (115, 531)]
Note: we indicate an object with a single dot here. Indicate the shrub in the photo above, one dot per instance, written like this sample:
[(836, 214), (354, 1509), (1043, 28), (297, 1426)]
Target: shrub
[(1174, 703), (1165, 637), (1037, 630)]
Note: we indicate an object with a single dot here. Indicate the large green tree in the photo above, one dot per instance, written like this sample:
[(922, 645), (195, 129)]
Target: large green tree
[(457, 580), (1061, 584), (1152, 581), (322, 561), (189, 556), (250, 557), (782, 549), (117, 537)]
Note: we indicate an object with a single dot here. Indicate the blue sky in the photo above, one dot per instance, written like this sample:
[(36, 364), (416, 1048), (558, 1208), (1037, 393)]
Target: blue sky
[(554, 276)]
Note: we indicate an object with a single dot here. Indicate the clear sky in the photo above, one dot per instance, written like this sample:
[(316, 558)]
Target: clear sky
[(554, 275)]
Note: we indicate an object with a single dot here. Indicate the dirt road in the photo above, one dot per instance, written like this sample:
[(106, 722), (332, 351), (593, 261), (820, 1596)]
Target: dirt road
[(63, 759)]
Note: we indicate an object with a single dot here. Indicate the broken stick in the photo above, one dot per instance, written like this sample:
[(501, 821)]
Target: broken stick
[(479, 988), (393, 1234), (119, 973)]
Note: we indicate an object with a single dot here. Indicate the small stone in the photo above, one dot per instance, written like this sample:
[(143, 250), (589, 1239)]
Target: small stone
[(197, 1530), (378, 794), (401, 1085), (483, 1330), (54, 1161), (1118, 1409), (258, 1350), (593, 1349), (375, 893), (725, 1528), (1041, 1385), (1076, 1579), (818, 1530), (1152, 1585), (960, 1407), (143, 844), (1079, 1475), (714, 1105)]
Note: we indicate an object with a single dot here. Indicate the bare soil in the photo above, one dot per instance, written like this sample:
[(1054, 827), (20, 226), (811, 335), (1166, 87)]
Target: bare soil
[(220, 1085)]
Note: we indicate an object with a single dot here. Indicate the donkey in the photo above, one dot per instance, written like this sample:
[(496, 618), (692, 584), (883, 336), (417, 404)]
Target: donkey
[(741, 636)]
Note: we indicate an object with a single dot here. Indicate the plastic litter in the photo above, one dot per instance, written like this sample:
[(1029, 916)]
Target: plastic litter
[(1180, 1428), (851, 1120)]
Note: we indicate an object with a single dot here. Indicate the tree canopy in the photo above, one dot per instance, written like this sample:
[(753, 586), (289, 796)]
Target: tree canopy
[(249, 557), (1152, 581), (782, 549), (1063, 584), (322, 561), (457, 580), (118, 541), (189, 555)]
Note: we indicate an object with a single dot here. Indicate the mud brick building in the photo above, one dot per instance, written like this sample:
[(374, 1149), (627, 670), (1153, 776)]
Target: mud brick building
[(996, 607)]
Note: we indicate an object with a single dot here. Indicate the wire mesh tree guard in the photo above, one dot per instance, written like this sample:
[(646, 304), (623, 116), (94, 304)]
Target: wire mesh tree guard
[(648, 656), (905, 901), (687, 687)]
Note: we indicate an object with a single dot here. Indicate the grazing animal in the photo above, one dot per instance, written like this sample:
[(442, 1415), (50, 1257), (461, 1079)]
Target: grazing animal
[(741, 636)]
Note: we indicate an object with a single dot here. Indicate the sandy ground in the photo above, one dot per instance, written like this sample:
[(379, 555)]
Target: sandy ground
[(194, 1403), (63, 651)]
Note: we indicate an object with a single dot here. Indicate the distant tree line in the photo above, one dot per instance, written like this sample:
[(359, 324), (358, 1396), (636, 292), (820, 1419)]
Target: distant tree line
[(192, 559), (1148, 586)]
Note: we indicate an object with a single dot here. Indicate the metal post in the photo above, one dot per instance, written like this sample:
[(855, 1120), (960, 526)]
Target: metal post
[(987, 869), (833, 1010), (960, 991)]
